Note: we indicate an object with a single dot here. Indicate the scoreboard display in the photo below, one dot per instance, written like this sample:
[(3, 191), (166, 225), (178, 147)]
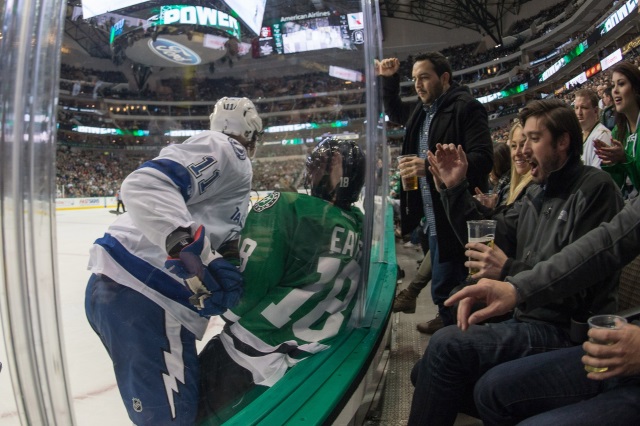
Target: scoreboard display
[(309, 32)]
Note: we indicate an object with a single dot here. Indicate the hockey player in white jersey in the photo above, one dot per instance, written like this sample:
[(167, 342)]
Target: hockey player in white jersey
[(300, 265), (161, 269)]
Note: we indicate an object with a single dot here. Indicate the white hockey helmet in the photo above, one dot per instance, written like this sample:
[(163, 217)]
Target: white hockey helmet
[(237, 117)]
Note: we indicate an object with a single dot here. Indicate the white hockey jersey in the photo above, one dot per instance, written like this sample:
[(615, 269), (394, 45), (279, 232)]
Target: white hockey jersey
[(206, 180)]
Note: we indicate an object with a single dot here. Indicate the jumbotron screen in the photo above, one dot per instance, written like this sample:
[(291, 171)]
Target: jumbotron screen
[(249, 11), (311, 31)]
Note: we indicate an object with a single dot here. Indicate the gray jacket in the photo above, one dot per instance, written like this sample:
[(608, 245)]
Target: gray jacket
[(575, 200), (584, 263)]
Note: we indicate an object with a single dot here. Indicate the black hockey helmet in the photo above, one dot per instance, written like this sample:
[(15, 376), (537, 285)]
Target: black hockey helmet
[(341, 187)]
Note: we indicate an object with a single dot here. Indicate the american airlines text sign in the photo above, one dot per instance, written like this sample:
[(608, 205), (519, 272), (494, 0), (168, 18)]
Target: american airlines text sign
[(196, 15)]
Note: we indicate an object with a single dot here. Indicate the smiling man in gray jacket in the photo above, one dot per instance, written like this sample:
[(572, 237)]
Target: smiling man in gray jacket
[(553, 387), (569, 200)]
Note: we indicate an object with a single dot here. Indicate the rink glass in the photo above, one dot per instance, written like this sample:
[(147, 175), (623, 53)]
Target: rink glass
[(613, 322), (481, 231), (154, 104)]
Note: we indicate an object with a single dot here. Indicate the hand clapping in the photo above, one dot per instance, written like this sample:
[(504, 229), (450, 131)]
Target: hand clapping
[(448, 165), (610, 154)]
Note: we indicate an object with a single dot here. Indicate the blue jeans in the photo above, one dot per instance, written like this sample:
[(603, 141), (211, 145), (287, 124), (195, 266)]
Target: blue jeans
[(415, 235), (446, 276), (553, 388), (454, 360)]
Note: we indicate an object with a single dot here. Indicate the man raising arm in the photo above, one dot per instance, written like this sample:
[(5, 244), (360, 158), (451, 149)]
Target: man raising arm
[(445, 112)]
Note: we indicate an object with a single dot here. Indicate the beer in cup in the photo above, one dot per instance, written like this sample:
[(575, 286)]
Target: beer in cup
[(409, 183), (481, 231), (613, 322)]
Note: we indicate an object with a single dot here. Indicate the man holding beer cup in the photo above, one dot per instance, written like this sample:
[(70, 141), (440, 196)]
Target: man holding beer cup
[(445, 112), (569, 200), (553, 387)]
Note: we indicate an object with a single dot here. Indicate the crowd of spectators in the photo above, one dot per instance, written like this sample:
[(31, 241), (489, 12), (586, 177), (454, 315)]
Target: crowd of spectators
[(278, 175), (92, 81), (96, 173), (90, 172), (500, 134), (313, 97)]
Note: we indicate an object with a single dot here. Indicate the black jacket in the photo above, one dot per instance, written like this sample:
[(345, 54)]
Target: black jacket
[(460, 120)]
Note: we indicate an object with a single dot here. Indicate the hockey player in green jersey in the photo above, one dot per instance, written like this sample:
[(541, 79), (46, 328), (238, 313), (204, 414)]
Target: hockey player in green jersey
[(299, 258)]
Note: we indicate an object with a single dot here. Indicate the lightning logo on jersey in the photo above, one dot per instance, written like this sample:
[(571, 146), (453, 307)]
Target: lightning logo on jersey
[(241, 153)]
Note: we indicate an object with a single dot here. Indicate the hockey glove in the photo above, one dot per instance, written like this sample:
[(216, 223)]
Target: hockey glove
[(215, 283), (229, 250)]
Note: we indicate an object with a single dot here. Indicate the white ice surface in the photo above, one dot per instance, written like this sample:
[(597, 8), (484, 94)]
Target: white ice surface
[(95, 395)]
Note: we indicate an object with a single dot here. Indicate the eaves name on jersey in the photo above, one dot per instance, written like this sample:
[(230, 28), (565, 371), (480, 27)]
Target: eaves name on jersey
[(300, 264)]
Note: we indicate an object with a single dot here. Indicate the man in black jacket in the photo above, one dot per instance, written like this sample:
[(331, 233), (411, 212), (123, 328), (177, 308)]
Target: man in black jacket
[(444, 113)]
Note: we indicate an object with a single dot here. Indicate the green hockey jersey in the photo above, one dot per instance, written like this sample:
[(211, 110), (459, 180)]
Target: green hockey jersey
[(299, 257)]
